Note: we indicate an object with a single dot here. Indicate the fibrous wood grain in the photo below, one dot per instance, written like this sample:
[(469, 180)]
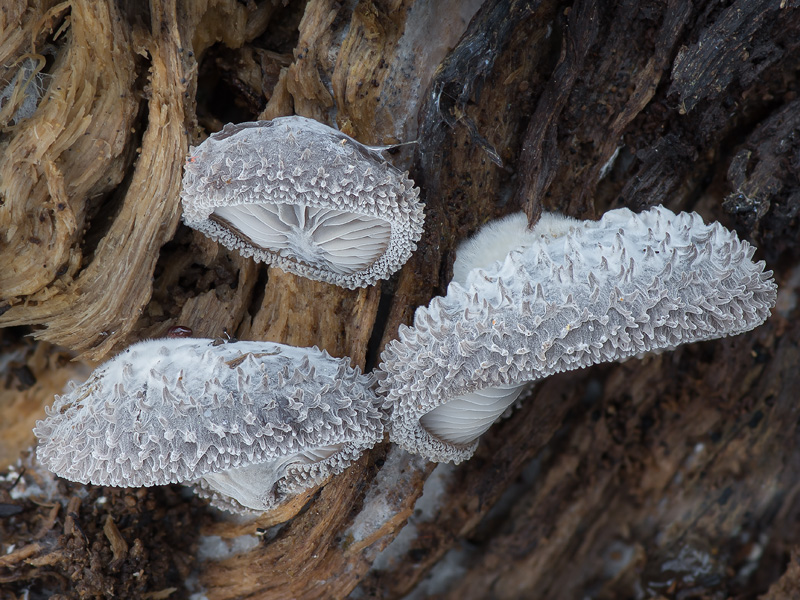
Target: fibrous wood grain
[(71, 150)]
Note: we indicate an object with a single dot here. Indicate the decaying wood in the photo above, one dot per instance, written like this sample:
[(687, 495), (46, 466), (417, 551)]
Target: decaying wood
[(789, 584), (32, 374), (670, 476)]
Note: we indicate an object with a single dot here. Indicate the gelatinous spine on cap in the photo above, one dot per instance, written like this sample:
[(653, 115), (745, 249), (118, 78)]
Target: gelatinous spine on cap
[(576, 293)]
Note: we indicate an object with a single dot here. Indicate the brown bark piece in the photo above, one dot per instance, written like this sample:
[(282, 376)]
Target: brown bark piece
[(736, 45), (327, 542), (19, 555), (539, 154), (119, 547), (33, 374), (390, 56), (788, 586), (358, 77), (457, 166), (97, 308), (302, 312), (202, 287), (766, 186), (308, 74)]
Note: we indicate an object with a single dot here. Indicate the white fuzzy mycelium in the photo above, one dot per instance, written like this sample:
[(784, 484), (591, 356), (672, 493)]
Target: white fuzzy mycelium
[(576, 293), (305, 197), (249, 423), (497, 238)]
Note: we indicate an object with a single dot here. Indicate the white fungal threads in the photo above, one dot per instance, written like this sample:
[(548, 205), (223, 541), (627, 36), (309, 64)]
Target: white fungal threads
[(305, 197), (577, 293), (497, 238), (250, 423), (20, 95)]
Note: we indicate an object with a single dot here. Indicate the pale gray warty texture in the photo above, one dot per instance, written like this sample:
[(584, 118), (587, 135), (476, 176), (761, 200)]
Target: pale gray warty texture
[(575, 293), (305, 197), (250, 423)]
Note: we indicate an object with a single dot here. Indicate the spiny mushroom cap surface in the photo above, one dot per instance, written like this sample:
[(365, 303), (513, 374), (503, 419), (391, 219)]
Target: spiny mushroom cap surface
[(305, 197), (602, 291), (173, 410)]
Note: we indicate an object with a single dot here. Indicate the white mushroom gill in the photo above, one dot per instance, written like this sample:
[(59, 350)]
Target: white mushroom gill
[(253, 486), (317, 237), (305, 197), (574, 294), (465, 418)]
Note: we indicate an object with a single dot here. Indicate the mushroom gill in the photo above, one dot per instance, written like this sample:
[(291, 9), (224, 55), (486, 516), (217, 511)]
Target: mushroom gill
[(317, 237), (250, 484), (465, 418), (305, 197)]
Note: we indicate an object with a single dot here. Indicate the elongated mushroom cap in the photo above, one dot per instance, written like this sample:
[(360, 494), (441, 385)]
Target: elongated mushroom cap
[(575, 295), (305, 197), (256, 421)]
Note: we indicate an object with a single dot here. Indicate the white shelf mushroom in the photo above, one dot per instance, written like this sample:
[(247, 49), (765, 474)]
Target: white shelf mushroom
[(250, 423), (305, 197), (572, 294)]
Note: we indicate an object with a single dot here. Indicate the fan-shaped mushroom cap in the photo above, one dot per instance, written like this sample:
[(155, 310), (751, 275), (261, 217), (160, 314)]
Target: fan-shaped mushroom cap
[(579, 294), (305, 197), (254, 421)]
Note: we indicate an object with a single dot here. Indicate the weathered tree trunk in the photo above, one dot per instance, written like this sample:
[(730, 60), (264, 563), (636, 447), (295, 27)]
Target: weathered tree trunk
[(675, 475)]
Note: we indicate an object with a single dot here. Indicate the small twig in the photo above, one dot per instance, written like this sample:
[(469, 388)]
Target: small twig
[(48, 523), (119, 547), (47, 560), (19, 555)]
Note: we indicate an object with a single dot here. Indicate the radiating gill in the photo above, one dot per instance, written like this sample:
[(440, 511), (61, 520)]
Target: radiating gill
[(467, 417), (341, 241), (314, 454), (252, 484)]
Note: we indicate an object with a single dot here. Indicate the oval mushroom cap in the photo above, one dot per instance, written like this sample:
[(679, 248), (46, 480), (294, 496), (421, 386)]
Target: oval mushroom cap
[(305, 197), (577, 293), (258, 420)]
